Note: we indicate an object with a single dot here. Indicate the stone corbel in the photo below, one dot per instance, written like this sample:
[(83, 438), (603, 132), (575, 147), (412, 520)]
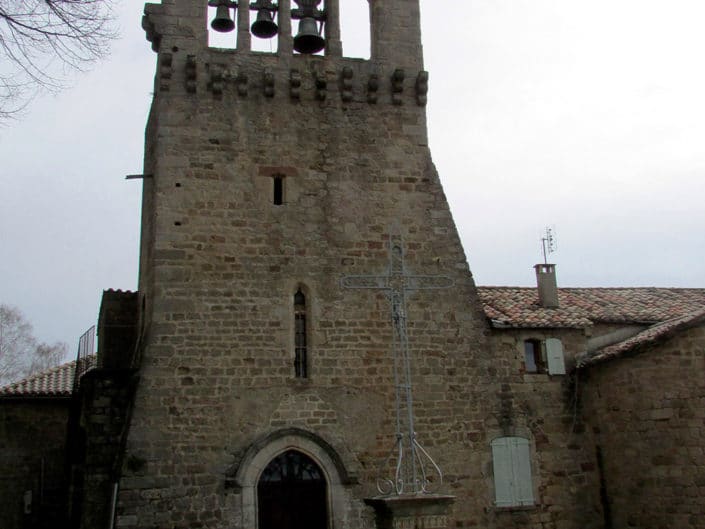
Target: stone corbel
[(295, 84), (216, 83), (397, 86), (241, 83), (165, 71), (372, 88), (346, 84), (321, 85), (422, 88), (268, 83), (191, 74)]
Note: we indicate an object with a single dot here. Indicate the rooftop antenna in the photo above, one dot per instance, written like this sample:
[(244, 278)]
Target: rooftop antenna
[(548, 242)]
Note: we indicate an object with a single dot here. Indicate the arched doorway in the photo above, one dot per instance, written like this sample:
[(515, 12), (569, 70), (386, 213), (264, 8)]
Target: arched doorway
[(292, 493)]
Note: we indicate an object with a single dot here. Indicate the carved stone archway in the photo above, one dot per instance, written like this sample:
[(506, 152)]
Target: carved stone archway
[(262, 452), (292, 493)]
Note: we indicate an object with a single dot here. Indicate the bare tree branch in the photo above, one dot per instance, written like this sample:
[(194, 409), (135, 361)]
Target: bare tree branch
[(47, 356), (21, 354), (42, 39)]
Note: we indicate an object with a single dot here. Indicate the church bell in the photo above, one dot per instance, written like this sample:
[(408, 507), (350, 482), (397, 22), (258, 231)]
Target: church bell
[(264, 27), (308, 40), (222, 21)]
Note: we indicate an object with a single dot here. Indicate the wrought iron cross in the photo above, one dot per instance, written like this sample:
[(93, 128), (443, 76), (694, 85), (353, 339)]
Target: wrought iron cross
[(411, 459)]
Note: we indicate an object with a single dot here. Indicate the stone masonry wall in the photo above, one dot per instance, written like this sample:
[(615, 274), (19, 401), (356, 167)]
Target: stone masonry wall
[(32, 458), (542, 408), (106, 395), (648, 416), (221, 262), (218, 368)]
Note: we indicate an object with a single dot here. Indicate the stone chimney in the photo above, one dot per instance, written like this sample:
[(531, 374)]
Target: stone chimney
[(547, 285), (118, 327)]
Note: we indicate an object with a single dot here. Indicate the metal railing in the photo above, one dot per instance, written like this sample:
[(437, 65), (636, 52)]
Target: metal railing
[(85, 359)]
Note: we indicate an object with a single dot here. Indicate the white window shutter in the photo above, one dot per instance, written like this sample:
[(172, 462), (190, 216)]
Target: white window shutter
[(521, 469), (511, 460), (503, 473), (555, 357)]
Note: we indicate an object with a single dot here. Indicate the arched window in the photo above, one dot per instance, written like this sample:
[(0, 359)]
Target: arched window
[(292, 493), (300, 336)]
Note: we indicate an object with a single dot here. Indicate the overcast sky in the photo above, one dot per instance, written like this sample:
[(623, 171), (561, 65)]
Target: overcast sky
[(589, 116)]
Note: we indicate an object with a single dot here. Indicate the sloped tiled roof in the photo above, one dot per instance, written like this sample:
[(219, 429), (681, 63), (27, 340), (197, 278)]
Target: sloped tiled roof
[(55, 382), (583, 307), (653, 334)]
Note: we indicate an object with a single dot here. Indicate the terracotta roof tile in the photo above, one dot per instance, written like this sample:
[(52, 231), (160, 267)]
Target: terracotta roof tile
[(583, 307), (55, 382), (653, 334)]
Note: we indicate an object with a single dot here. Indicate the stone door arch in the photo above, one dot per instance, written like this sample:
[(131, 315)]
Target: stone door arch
[(292, 493), (262, 453)]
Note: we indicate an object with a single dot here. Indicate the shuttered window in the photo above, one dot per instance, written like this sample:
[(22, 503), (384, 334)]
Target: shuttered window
[(555, 357), (511, 461), (544, 356)]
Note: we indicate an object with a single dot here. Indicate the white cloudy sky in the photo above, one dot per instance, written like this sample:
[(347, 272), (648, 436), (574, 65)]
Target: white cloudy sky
[(589, 116)]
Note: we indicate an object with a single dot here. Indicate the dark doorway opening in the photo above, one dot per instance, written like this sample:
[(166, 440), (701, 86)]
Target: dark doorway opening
[(291, 494)]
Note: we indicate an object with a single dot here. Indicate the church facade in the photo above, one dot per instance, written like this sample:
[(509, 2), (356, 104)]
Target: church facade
[(307, 347), (288, 198)]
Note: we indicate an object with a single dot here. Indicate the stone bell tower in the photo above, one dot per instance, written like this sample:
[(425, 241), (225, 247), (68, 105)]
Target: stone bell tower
[(301, 278)]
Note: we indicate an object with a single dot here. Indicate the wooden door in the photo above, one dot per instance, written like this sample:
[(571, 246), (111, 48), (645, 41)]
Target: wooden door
[(291, 494)]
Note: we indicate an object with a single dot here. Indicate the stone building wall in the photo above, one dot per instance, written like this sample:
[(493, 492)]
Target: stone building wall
[(221, 262), (542, 408), (98, 444), (32, 459), (217, 370), (647, 413)]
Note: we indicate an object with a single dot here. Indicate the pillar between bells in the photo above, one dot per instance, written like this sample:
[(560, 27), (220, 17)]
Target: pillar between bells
[(427, 511)]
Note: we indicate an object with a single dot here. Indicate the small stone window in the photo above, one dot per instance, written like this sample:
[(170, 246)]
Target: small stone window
[(511, 464), (544, 356), (300, 336), (278, 198), (534, 358)]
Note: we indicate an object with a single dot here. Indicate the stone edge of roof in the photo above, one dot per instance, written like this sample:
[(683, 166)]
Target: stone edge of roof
[(654, 334)]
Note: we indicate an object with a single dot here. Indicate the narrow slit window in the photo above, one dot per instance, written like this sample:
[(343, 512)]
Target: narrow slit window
[(300, 342), (278, 190)]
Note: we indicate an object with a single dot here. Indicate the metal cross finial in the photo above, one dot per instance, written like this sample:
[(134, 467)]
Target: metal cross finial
[(412, 461)]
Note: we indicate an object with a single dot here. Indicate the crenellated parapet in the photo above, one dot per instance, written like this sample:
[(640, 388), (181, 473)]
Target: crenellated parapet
[(299, 80)]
